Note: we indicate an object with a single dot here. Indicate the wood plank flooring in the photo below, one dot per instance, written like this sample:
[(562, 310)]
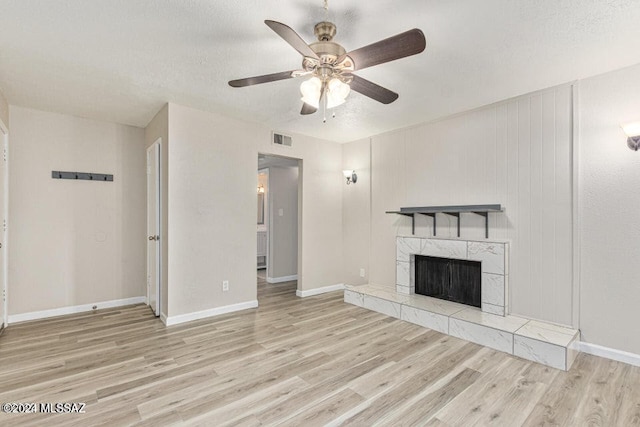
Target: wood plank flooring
[(294, 362)]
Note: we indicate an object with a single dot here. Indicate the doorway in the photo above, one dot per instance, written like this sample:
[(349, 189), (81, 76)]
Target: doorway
[(278, 220), (153, 227), (263, 221)]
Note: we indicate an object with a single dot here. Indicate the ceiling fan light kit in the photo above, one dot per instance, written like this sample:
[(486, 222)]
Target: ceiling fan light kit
[(330, 67), (311, 90)]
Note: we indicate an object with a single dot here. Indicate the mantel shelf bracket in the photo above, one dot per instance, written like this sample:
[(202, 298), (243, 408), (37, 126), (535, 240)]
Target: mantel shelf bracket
[(413, 221), (486, 223), (432, 215), (457, 215)]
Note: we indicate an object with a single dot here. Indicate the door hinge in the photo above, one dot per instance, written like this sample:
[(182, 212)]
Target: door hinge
[(4, 224)]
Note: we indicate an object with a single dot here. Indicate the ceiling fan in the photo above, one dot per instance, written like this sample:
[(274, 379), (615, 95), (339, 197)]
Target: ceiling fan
[(330, 67)]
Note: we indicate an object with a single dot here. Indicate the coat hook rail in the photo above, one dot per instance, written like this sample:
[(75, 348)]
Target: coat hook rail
[(88, 176)]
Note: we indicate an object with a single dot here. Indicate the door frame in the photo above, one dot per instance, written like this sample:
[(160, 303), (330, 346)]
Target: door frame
[(4, 287), (300, 166), (157, 147)]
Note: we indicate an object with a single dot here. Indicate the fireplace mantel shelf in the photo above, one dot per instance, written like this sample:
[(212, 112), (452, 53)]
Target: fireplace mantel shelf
[(482, 210)]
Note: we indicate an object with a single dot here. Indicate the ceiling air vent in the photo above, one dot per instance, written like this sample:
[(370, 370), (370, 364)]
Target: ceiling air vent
[(280, 139)]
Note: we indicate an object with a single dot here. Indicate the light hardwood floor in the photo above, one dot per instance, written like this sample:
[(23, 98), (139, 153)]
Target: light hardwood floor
[(294, 362)]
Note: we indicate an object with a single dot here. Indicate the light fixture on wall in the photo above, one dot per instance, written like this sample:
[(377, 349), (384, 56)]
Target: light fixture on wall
[(633, 135), (260, 189), (351, 176)]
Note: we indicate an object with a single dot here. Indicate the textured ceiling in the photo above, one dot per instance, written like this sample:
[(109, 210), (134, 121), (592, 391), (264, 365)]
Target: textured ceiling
[(121, 60)]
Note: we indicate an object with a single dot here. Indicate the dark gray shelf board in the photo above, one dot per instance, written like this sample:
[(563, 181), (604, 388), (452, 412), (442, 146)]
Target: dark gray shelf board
[(482, 210), (455, 209)]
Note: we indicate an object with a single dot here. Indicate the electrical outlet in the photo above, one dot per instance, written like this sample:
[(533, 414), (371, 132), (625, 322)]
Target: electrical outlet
[(225, 285), (362, 272)]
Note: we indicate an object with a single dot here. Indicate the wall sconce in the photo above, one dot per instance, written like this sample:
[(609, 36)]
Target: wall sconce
[(633, 135), (260, 189), (351, 176)]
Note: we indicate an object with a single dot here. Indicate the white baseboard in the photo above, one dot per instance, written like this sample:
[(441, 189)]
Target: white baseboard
[(318, 291), (181, 318), (163, 318), (609, 353), (282, 279), (34, 315)]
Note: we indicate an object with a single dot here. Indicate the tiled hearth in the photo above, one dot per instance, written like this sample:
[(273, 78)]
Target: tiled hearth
[(540, 342)]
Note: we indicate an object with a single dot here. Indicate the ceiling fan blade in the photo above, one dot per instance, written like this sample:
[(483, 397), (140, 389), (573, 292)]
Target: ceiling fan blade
[(399, 46), (307, 109), (372, 90), (292, 38), (250, 81)]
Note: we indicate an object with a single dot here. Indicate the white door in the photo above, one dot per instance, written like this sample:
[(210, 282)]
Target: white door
[(153, 227), (4, 190)]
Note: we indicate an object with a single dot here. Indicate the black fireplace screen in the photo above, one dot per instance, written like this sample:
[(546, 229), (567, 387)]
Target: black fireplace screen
[(454, 280)]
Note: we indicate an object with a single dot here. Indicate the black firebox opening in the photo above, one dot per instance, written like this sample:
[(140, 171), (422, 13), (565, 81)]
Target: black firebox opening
[(454, 280)]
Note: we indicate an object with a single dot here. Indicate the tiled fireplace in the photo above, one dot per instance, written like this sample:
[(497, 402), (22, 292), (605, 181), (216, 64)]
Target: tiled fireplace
[(491, 326), (493, 257)]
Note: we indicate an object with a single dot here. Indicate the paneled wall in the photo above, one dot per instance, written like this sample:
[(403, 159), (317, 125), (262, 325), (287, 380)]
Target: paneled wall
[(608, 211), (517, 153)]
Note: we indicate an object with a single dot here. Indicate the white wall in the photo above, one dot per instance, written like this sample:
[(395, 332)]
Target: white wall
[(211, 193), (609, 203), (356, 212), (74, 242), (283, 230), (516, 153), (320, 250), (4, 110), (211, 211)]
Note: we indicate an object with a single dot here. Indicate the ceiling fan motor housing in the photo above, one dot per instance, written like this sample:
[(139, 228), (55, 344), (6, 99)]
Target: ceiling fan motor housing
[(328, 52), (324, 31)]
